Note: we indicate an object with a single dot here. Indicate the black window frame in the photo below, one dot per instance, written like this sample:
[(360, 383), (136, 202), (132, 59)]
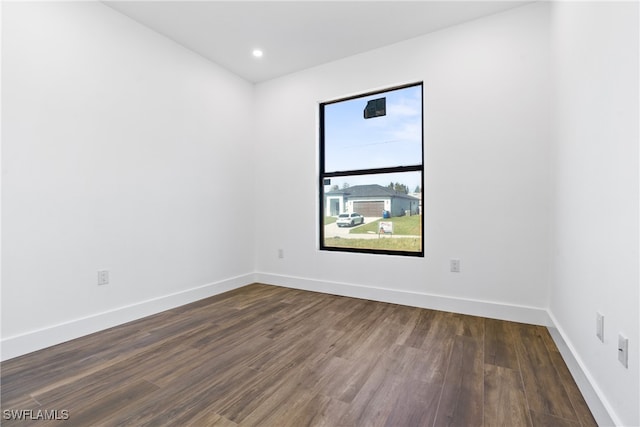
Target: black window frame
[(323, 175)]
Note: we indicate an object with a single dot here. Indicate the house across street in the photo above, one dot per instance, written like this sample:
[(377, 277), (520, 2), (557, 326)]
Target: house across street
[(370, 201)]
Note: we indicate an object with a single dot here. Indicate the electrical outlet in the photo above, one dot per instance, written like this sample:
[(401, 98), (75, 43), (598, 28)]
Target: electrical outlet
[(103, 277), (600, 326), (454, 265), (623, 350)]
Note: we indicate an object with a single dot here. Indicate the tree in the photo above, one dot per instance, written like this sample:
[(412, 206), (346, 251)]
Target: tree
[(335, 187), (417, 190), (345, 185), (401, 188)]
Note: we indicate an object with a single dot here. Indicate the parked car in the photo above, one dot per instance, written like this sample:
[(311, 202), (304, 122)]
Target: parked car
[(349, 220)]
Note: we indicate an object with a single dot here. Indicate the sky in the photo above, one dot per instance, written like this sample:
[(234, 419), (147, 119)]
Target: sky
[(353, 142)]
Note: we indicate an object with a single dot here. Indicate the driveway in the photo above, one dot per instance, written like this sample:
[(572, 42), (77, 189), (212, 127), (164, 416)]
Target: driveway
[(332, 230)]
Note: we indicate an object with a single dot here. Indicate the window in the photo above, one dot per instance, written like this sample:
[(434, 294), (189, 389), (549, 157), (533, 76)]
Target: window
[(371, 172)]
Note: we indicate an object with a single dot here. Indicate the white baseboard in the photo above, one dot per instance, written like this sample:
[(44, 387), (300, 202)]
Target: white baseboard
[(598, 404), (36, 340), (515, 313)]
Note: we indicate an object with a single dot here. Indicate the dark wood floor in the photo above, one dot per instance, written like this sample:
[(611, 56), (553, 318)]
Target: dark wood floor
[(270, 356)]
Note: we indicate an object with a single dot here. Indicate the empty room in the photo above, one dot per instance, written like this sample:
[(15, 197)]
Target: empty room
[(322, 213)]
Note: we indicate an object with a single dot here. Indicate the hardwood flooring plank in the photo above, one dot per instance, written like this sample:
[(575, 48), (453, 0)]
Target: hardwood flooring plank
[(78, 371), (95, 385), (208, 376), (416, 404), (54, 364), (438, 345), (269, 356), (427, 366), (292, 319), (547, 420), (281, 383), (283, 408), (378, 340), (406, 316), (463, 391), (348, 381), (353, 314), (542, 384), (547, 340), (583, 413), (210, 419), (419, 328), (320, 411), (504, 400), (98, 412), (332, 377), (342, 307), (499, 349), (374, 401), (291, 363), (470, 326), (362, 324), (192, 394), (404, 322)]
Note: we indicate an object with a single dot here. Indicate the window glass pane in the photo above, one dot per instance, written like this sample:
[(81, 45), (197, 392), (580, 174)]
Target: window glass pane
[(352, 142), (374, 212)]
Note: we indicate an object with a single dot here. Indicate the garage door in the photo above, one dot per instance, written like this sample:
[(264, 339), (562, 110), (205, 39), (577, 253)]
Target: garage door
[(369, 208)]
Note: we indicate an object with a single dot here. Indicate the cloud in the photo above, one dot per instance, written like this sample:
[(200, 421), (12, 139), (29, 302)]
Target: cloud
[(403, 110)]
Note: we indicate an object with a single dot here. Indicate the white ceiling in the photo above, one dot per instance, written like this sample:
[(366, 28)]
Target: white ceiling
[(295, 35)]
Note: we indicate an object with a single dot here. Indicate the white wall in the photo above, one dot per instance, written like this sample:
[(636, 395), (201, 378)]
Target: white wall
[(121, 151), (487, 182), (596, 193)]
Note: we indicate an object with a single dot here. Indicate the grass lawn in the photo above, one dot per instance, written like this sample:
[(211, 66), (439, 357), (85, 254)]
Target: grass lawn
[(410, 244), (402, 225)]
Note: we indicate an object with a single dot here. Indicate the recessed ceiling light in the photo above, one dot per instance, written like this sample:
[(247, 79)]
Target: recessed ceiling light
[(257, 53)]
